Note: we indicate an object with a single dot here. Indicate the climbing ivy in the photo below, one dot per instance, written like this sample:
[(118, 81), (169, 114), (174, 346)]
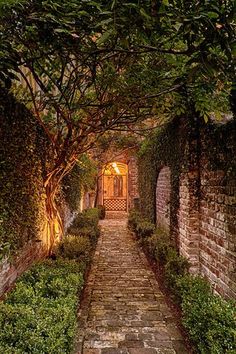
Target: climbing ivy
[(220, 147), (183, 145), (159, 150), (25, 154), (81, 178), (22, 159)]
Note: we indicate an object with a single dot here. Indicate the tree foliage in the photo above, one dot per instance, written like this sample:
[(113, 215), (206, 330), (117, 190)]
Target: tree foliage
[(192, 41), (76, 90), (86, 67)]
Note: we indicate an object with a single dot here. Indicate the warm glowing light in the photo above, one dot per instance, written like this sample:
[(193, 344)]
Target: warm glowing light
[(114, 165), (114, 168), (107, 172), (117, 170)]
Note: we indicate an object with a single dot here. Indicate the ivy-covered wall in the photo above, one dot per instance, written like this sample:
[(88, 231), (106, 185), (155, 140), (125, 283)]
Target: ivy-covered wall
[(23, 226), (22, 159), (81, 179), (217, 206), (202, 161), (160, 150), (25, 154)]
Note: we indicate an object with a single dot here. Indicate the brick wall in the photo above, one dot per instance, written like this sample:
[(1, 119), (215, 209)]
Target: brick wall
[(22, 194), (188, 220), (132, 181), (207, 212), (163, 189), (11, 270), (206, 201), (217, 209), (217, 231), (188, 214)]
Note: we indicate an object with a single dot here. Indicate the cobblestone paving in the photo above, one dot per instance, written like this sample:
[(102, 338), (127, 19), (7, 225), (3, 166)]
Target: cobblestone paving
[(123, 310)]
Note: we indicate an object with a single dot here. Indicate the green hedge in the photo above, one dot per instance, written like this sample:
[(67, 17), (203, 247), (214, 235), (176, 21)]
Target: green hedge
[(39, 315), (86, 224), (209, 319), (73, 247)]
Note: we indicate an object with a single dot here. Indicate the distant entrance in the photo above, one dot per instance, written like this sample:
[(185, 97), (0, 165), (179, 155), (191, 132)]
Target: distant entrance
[(115, 186)]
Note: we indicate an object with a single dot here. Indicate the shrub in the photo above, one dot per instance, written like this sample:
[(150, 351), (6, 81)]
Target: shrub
[(48, 279), (150, 245), (86, 224), (44, 270), (74, 247), (102, 211), (144, 229), (175, 267), (39, 315), (88, 218), (133, 219), (163, 246), (91, 232), (209, 319), (197, 285), (92, 213)]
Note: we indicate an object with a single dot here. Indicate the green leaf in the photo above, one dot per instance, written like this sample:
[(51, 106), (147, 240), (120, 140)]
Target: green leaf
[(206, 118), (84, 13), (233, 50), (104, 22), (61, 30), (144, 14), (113, 4), (106, 35), (218, 116), (134, 6), (177, 26), (212, 14)]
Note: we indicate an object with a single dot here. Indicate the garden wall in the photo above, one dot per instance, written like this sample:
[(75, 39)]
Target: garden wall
[(24, 153), (132, 181), (217, 207), (25, 158), (202, 199), (23, 231), (163, 189)]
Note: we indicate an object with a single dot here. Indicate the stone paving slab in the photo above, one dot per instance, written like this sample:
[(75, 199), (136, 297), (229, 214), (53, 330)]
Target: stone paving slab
[(123, 310)]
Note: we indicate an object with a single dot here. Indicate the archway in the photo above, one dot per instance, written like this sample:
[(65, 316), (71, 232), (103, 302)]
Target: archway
[(115, 191)]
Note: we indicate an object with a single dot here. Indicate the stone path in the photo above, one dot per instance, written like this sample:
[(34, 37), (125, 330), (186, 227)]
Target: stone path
[(123, 310)]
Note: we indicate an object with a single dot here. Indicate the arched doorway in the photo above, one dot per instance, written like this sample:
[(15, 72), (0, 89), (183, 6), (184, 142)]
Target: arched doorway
[(115, 186)]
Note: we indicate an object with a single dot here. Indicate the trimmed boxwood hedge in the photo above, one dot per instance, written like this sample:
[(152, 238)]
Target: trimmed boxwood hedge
[(39, 315), (209, 319)]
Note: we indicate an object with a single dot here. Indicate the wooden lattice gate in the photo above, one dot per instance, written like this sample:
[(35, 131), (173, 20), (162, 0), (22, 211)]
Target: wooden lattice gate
[(115, 204), (115, 187)]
